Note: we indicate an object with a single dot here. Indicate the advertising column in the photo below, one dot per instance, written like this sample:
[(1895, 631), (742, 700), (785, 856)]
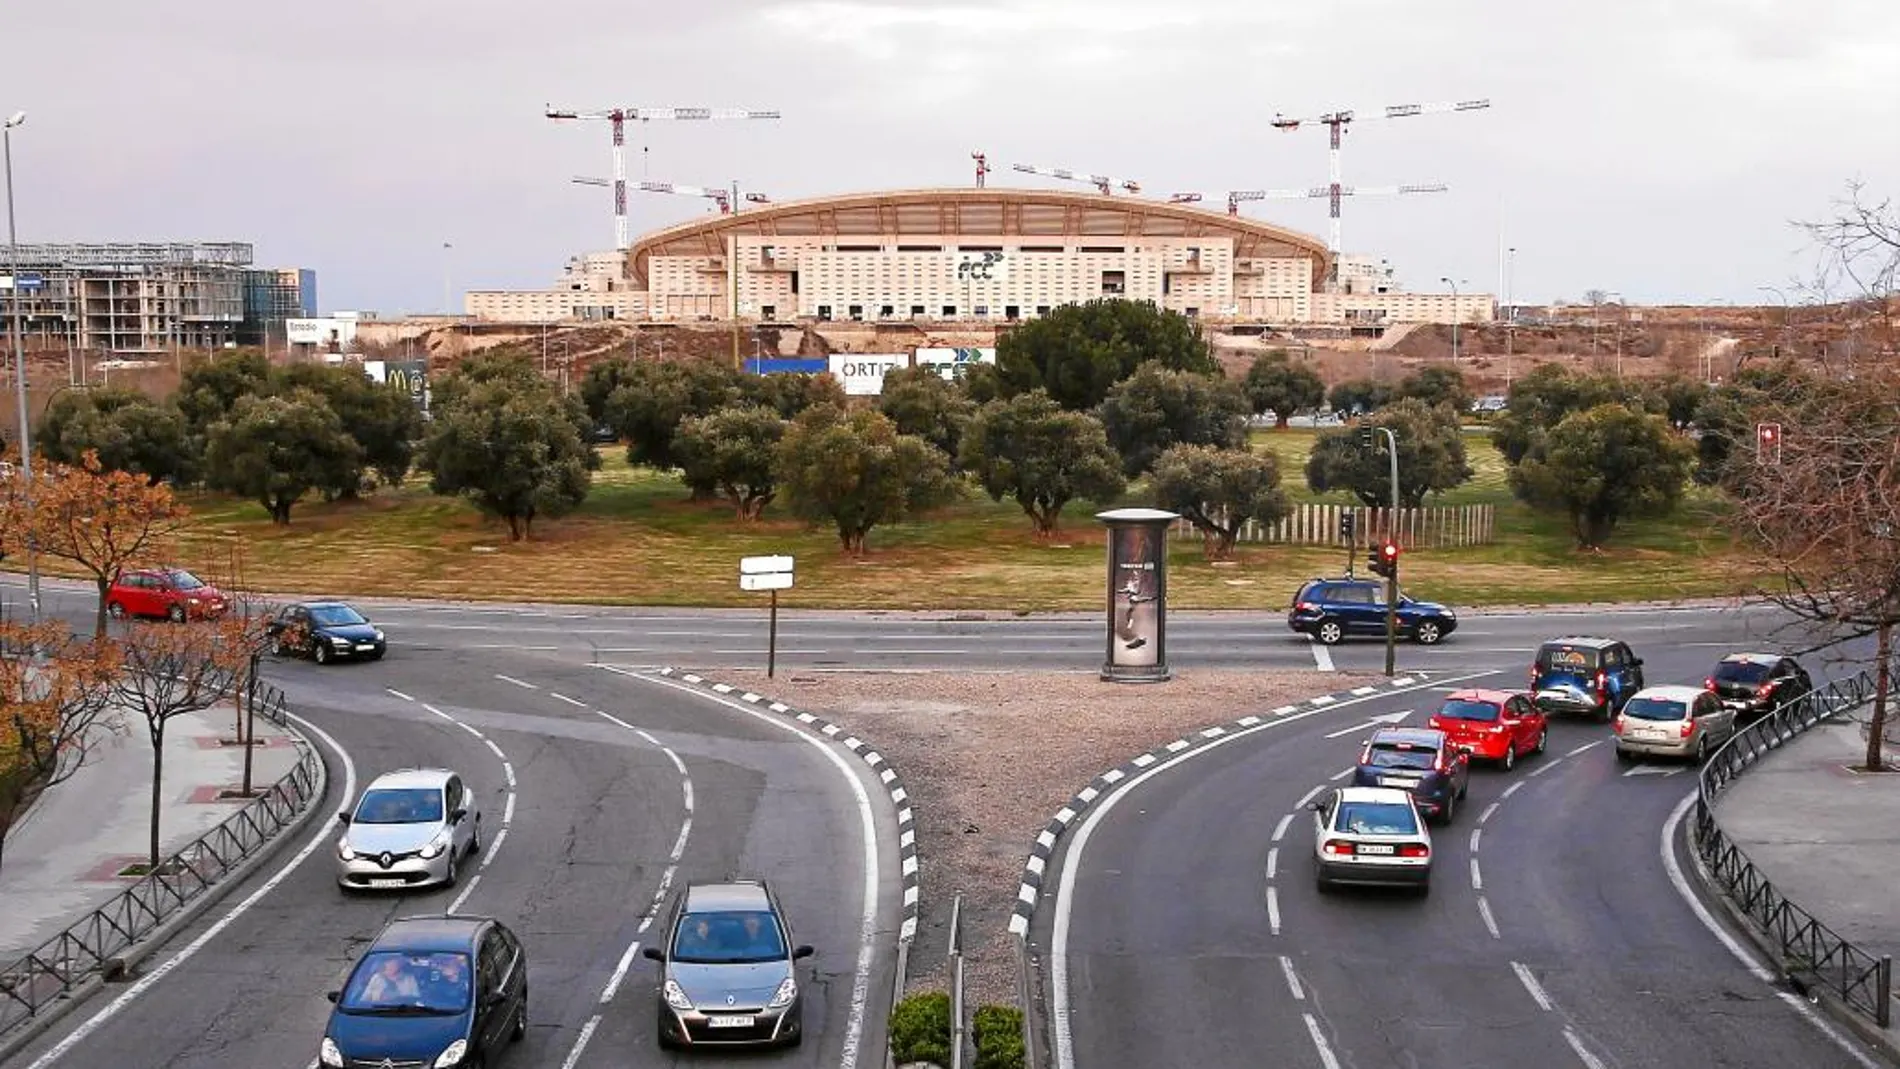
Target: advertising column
[(1137, 595)]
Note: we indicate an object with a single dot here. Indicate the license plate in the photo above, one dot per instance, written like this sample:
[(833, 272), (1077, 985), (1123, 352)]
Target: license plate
[(389, 883), (1397, 781), (365, 647), (1374, 848), (729, 1022)]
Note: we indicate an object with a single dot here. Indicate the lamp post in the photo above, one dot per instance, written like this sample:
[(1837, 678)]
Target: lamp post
[(1786, 312), (1456, 315), (1708, 350), (19, 367), (448, 308)]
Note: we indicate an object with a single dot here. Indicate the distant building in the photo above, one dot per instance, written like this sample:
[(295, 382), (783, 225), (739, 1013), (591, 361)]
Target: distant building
[(982, 255), (318, 335), (128, 299)]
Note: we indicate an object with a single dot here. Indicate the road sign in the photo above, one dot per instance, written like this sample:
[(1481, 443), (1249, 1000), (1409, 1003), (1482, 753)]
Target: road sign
[(773, 574), (764, 565), (770, 581), (30, 280)]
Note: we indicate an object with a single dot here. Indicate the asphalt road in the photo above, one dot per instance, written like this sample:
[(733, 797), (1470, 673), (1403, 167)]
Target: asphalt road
[(1187, 931), (598, 830)]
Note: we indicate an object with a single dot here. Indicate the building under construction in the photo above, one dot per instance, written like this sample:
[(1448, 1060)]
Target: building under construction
[(131, 299)]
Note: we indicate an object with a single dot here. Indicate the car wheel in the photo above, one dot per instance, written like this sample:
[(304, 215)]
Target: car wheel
[(1322, 884), (475, 840), (1425, 888), (1625, 756), (1450, 811), (1329, 632), (176, 614), (450, 878), (521, 1021), (115, 610), (1543, 739), (1427, 633), (321, 651), (1606, 710), (1701, 748), (1510, 756)]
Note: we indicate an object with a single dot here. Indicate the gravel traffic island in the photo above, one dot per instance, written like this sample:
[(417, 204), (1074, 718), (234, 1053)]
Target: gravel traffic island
[(987, 757)]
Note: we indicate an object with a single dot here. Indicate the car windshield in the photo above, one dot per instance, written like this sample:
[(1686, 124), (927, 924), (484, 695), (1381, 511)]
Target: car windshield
[(400, 805), (335, 616), (1655, 709), (398, 982), (1566, 659), (1465, 709), (1399, 755), (184, 580), (1741, 672), (1376, 818), (728, 937), (1309, 592)]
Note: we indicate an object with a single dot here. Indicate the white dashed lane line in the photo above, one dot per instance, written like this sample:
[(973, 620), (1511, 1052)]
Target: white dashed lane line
[(1273, 909), (1279, 830), (1292, 979), (508, 805), (1273, 862), (519, 683), (1538, 995), (1490, 921)]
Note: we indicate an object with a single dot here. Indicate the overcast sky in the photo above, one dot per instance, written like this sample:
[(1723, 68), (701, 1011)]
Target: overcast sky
[(1658, 148)]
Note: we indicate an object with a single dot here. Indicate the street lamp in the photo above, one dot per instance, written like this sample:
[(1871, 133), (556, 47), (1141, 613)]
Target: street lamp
[(19, 366), (1456, 315)]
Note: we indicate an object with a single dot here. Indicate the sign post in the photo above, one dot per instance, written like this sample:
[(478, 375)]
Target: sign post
[(773, 574), (1137, 595)]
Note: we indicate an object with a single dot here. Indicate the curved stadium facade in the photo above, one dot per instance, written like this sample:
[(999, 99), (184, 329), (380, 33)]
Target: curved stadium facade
[(986, 255)]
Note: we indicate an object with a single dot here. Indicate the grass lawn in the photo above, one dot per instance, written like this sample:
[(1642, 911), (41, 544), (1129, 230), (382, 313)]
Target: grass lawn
[(638, 540)]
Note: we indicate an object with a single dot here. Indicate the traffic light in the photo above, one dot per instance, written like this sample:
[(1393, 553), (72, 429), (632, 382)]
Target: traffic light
[(1347, 522), (1768, 442), (1365, 437), (1384, 560)]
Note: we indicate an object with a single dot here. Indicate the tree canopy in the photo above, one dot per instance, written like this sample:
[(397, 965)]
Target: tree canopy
[(855, 471), (1156, 408), (1041, 456), (128, 430), (1275, 384), (1432, 456), (734, 449), (1603, 465), (516, 452), (1219, 490), (1078, 352), (921, 402), (274, 450)]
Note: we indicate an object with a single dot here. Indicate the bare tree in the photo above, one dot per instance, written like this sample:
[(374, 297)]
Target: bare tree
[(55, 705), (1820, 492), (1859, 255), (168, 671)]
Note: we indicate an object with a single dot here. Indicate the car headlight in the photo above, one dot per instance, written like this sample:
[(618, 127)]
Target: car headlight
[(675, 996), (343, 850), (339, 640), (328, 1054), (379, 635), (453, 1055), (787, 991), (436, 845)]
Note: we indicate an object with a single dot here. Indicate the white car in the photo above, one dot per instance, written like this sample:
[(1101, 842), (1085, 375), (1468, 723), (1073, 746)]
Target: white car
[(1370, 835), (411, 829)]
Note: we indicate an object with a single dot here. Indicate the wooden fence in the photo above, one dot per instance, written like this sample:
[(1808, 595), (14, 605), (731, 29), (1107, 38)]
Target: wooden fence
[(1431, 527)]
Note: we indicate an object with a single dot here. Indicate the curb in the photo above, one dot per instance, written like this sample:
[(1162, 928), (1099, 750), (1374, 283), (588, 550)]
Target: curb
[(186, 915), (1029, 892)]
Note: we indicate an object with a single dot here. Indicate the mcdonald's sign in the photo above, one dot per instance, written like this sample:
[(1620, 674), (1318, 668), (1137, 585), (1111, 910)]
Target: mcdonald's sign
[(413, 377)]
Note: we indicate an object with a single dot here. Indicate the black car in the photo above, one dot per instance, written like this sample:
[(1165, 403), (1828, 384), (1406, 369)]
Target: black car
[(1331, 609), (326, 631), (439, 991), (1423, 761), (1756, 684)]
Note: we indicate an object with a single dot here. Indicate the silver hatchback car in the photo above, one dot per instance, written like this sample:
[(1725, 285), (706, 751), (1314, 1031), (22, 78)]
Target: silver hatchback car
[(410, 829), (1673, 722), (728, 969)]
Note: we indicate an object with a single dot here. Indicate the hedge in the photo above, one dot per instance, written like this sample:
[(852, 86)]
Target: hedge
[(998, 1031), (920, 1029)]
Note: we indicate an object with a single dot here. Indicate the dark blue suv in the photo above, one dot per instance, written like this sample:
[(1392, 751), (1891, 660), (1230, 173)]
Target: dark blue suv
[(1585, 675), (1331, 609), (1423, 761), (442, 991)]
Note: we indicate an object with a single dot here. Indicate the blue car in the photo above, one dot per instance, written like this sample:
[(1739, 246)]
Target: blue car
[(1331, 609), (443, 992), (1424, 761), (1585, 675)]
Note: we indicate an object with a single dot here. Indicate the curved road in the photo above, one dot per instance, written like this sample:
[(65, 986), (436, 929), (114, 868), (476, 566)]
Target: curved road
[(1186, 929), (598, 825)]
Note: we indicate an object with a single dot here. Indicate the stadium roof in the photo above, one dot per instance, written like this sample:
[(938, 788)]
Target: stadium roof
[(1002, 213)]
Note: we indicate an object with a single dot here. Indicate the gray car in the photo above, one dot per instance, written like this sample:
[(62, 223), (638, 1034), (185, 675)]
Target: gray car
[(727, 969), (410, 829)]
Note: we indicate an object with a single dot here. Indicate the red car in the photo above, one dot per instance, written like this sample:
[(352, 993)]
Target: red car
[(1498, 725), (170, 593)]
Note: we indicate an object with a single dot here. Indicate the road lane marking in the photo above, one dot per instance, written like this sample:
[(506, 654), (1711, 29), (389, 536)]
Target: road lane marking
[(1585, 746), (399, 694), (507, 813), (1475, 832), (1061, 1013), (558, 696), (149, 980), (1292, 979), (1512, 789), (860, 996), (1273, 909), (1273, 862), (1490, 921), (1319, 1043), (1530, 984), (1488, 810), (1322, 657), (1308, 797), (1279, 830), (1589, 1060), (1341, 774), (1477, 880), (519, 683)]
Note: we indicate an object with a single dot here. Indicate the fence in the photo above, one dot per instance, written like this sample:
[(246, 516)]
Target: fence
[(1430, 527), (1807, 949), (93, 946)]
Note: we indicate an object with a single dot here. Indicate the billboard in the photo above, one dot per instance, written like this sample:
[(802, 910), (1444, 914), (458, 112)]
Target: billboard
[(946, 362), (335, 331), (411, 375), (786, 365), (862, 374), (982, 267)]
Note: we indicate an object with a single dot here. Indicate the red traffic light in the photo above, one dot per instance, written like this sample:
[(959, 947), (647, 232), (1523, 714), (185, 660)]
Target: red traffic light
[(1768, 432), (1390, 551)]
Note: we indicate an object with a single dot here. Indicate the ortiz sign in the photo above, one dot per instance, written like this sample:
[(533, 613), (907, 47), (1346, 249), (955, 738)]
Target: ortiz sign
[(862, 374)]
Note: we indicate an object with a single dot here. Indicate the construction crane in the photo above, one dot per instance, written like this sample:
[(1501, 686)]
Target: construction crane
[(1234, 198), (1105, 184), (1336, 123), (619, 118), (726, 199), (982, 167), (1187, 198)]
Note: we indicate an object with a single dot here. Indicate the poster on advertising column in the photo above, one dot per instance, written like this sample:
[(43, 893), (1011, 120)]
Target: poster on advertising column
[(1137, 594)]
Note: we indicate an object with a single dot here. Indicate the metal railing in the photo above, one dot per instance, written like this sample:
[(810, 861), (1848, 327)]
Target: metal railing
[(958, 1030), (1809, 952), (93, 946)]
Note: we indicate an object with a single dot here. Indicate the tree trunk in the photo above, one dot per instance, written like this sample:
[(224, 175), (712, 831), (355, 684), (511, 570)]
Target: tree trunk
[(100, 621), (158, 780), (1279, 420), (1883, 676), (1228, 536)]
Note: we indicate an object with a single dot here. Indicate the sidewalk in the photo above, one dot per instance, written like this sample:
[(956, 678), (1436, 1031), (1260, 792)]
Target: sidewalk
[(62, 859), (1829, 839)]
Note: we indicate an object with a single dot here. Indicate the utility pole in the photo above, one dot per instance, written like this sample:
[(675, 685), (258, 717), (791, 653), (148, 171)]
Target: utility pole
[(19, 370), (1457, 313), (1385, 558)]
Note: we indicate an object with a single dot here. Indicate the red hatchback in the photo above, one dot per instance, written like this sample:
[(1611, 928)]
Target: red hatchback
[(1497, 725), (171, 593)]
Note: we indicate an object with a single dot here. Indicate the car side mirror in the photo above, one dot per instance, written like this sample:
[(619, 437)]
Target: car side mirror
[(655, 953), (460, 814), (495, 998), (1316, 805), (802, 950), (333, 995), (1636, 662), (343, 817)]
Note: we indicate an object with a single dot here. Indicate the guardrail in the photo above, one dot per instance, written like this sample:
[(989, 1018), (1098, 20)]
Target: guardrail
[(93, 946), (959, 1031), (1808, 949)]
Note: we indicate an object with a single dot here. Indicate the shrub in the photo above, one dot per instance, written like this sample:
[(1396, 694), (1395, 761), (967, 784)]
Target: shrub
[(920, 1029), (998, 1031)]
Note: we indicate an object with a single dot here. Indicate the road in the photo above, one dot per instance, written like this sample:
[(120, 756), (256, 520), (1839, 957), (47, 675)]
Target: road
[(1187, 931), (601, 824)]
